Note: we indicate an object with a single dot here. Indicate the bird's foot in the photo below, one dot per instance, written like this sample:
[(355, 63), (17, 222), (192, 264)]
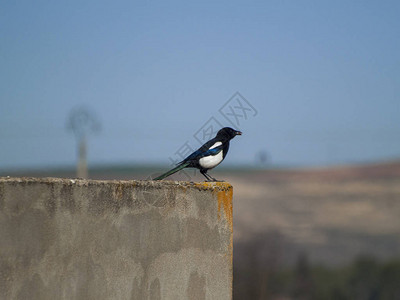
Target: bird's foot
[(214, 180)]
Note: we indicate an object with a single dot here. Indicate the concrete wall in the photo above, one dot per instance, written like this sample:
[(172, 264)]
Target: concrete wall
[(83, 239)]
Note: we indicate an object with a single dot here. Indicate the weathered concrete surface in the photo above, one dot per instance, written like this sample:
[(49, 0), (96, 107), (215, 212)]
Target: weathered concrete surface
[(82, 239)]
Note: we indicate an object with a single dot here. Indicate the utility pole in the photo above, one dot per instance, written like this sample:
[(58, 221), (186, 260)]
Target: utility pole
[(82, 122)]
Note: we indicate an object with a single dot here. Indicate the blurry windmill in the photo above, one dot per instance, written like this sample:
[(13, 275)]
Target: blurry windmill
[(82, 122)]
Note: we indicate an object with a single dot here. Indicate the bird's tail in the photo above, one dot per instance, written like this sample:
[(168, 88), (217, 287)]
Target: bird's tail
[(172, 171)]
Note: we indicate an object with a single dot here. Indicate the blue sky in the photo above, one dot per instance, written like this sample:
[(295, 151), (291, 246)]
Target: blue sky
[(324, 77)]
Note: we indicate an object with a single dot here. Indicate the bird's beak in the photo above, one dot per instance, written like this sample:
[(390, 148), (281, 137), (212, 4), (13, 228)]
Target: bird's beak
[(238, 133)]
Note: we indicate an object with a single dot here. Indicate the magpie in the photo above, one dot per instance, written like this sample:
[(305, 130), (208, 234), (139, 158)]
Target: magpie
[(208, 156)]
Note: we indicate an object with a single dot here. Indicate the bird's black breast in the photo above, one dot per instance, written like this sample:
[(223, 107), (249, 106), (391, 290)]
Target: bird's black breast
[(225, 149)]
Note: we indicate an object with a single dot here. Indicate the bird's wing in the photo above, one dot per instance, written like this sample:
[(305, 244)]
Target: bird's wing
[(213, 151), (204, 150), (201, 153)]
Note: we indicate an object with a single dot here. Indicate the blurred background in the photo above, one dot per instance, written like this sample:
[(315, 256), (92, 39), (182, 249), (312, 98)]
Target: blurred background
[(123, 89)]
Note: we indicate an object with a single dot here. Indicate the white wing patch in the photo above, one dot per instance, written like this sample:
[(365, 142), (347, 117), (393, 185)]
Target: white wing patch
[(212, 161), (216, 145)]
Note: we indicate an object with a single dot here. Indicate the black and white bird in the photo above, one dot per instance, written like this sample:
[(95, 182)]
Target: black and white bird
[(208, 156)]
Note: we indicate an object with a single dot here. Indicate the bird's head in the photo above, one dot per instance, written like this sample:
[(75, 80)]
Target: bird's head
[(228, 133)]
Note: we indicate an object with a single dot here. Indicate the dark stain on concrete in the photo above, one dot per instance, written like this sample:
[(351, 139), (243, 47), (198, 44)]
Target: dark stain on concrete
[(112, 198), (24, 228), (201, 236), (30, 234), (136, 288), (50, 202), (33, 288), (6, 277), (67, 201), (196, 287), (108, 240), (103, 201), (91, 280), (148, 235), (155, 290), (17, 201), (1, 196)]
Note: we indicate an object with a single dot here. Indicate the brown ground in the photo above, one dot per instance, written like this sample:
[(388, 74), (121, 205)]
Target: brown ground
[(332, 214)]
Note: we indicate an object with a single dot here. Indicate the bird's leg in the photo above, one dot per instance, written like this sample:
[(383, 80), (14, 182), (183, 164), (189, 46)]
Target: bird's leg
[(213, 178), (208, 176), (204, 172)]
